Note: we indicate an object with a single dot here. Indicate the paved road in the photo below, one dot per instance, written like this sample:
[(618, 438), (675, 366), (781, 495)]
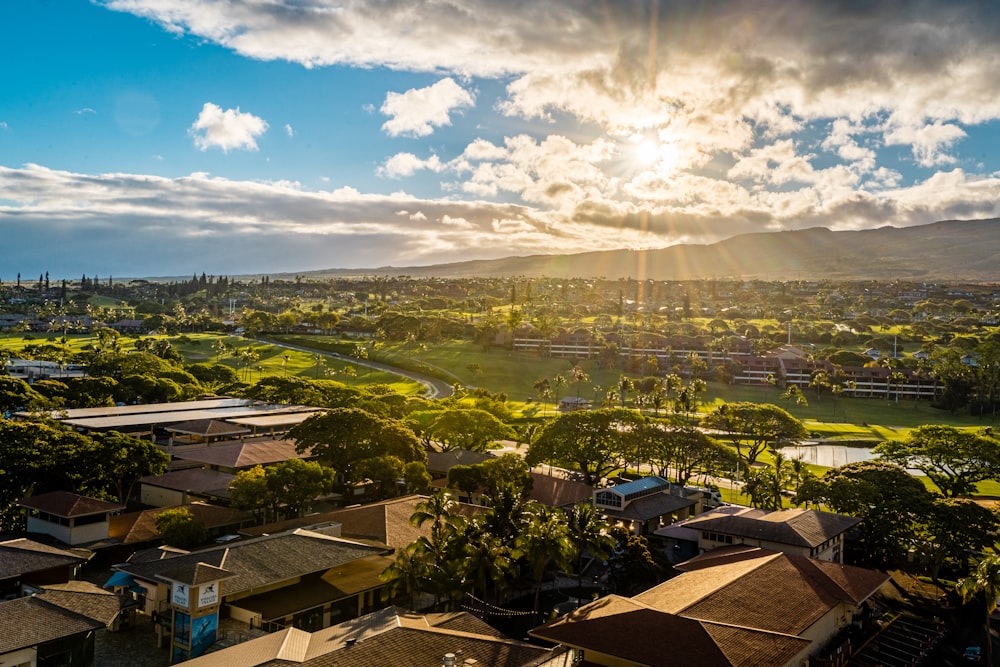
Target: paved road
[(433, 387)]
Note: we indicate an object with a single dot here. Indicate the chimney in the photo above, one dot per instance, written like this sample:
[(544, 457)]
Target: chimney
[(449, 660)]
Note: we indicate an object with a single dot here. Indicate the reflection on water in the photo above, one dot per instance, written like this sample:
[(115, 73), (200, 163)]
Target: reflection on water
[(830, 456)]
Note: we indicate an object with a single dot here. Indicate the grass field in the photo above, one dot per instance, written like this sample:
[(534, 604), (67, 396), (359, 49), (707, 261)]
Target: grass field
[(860, 421)]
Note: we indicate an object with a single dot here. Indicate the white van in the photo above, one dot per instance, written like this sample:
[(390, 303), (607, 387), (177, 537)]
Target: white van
[(710, 498)]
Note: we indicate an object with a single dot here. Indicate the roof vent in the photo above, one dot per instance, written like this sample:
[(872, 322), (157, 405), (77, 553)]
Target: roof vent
[(348, 643), (449, 660)]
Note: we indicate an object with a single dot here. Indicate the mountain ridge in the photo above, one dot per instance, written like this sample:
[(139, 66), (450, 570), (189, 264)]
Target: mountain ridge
[(965, 250)]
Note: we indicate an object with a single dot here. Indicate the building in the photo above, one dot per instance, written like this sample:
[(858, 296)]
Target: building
[(644, 505), (304, 579), (735, 606), (388, 637), (69, 517), (26, 565), (802, 532), (35, 633)]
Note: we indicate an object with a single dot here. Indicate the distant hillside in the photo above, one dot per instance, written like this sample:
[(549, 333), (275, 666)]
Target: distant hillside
[(949, 250)]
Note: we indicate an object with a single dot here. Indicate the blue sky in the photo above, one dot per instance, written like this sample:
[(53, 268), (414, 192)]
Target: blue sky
[(166, 137)]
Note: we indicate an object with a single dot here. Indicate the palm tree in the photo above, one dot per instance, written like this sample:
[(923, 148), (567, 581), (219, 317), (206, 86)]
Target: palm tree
[(985, 579), (405, 573), (588, 532), (486, 558), (544, 540), (579, 375), (440, 510)]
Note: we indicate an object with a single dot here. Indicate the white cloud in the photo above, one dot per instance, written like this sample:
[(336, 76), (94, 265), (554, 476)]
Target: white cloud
[(85, 111), (418, 111), (406, 164), (929, 141), (289, 130), (3, 125), (228, 129)]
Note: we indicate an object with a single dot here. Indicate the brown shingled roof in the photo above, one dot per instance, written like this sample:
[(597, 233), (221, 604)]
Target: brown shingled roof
[(762, 589), (138, 527), (30, 621), (385, 637), (243, 454), (23, 556), (66, 504), (86, 599), (601, 626), (798, 527), (207, 427), (386, 522)]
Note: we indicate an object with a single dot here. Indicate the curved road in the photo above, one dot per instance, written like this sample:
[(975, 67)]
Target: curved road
[(434, 387)]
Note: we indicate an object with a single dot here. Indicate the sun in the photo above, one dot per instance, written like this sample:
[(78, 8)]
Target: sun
[(647, 152), (656, 155)]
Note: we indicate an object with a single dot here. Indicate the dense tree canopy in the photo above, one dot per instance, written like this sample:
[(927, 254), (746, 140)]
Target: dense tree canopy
[(597, 441), (889, 501), (954, 460), (468, 429), (754, 427), (343, 437)]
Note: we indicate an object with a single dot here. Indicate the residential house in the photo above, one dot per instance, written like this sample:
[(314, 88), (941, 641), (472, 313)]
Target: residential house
[(26, 565), (388, 637), (36, 633), (803, 532), (735, 606), (69, 517), (645, 504)]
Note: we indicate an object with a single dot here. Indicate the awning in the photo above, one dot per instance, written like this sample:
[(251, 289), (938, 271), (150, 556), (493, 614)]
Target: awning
[(120, 579)]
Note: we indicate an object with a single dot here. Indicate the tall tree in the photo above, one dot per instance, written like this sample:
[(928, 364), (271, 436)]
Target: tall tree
[(984, 582), (468, 429), (342, 437), (954, 460), (590, 534), (543, 541), (889, 501), (596, 441), (756, 427)]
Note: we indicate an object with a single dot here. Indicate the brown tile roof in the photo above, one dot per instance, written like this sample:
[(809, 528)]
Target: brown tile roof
[(193, 480), (763, 589), (601, 626), (385, 637), (23, 556), (86, 599), (386, 522), (30, 621), (798, 527), (556, 491), (261, 561), (243, 454), (137, 527), (66, 504), (207, 427)]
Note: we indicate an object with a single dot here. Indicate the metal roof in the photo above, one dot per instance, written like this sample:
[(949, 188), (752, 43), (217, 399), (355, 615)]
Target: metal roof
[(150, 408), (176, 416)]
